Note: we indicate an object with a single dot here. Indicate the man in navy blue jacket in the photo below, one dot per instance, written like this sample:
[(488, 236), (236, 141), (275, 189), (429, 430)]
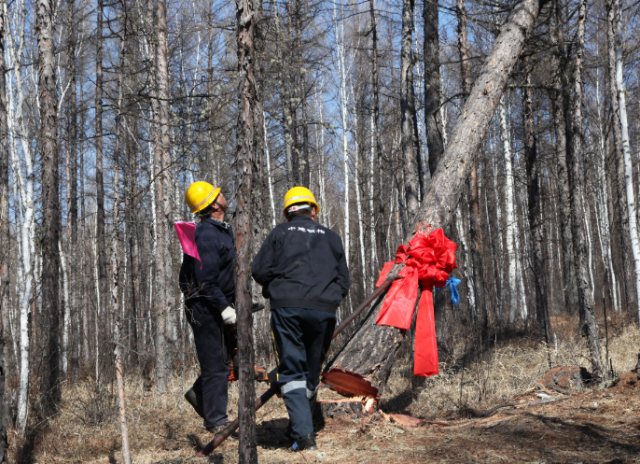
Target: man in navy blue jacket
[(303, 270), (209, 293)]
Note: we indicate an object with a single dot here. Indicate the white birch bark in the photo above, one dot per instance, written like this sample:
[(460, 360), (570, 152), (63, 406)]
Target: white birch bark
[(66, 315), (602, 205), (269, 176), (509, 207), (25, 205), (626, 152), (344, 105)]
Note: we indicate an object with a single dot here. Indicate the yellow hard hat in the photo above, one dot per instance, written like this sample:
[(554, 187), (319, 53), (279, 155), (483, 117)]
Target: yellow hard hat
[(200, 195), (299, 195)]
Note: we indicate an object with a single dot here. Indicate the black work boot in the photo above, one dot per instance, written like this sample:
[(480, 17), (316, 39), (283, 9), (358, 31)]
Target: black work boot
[(308, 442), (195, 401)]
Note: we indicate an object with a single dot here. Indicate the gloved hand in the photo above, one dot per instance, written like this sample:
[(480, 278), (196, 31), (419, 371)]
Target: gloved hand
[(229, 315)]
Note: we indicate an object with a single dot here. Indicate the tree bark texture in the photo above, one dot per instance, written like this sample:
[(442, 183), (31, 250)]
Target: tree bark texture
[(435, 143), (245, 152), (536, 220), (560, 107), (5, 238), (100, 219), (50, 387), (407, 109), (369, 354), (575, 155), (162, 297)]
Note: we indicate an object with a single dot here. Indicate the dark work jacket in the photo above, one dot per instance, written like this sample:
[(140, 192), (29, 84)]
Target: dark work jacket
[(212, 279), (301, 264)]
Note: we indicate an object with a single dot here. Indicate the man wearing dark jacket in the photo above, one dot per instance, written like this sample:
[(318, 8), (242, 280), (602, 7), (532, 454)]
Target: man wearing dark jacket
[(303, 270), (209, 293)]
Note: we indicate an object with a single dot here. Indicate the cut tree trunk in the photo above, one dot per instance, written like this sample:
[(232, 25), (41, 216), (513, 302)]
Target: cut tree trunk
[(363, 365)]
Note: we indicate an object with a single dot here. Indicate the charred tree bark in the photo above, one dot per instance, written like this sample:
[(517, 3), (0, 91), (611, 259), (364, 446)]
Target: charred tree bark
[(50, 387), (245, 153), (407, 109), (575, 155), (366, 359)]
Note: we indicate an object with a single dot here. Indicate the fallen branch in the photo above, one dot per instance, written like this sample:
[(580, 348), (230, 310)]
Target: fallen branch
[(490, 411)]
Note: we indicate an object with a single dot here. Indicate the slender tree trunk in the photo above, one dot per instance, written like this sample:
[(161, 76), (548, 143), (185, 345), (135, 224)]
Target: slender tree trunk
[(375, 138), (511, 225), (407, 109), (245, 153), (626, 150), (435, 142), (50, 376), (620, 202), (344, 104), (163, 302), (588, 322), (5, 234), (536, 220), (100, 213), (559, 104)]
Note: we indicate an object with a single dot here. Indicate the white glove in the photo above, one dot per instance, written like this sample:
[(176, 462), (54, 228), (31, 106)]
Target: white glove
[(229, 315)]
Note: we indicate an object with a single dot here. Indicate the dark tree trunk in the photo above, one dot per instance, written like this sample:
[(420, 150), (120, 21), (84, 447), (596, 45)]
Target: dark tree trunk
[(560, 104), (378, 345), (245, 154), (434, 127), (536, 221), (407, 109), (575, 157), (474, 207), (50, 386)]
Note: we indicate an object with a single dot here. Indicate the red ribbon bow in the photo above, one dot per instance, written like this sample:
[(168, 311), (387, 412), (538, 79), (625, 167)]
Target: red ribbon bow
[(428, 259)]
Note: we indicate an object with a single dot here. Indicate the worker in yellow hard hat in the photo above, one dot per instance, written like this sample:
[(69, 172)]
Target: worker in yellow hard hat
[(303, 270), (209, 293)]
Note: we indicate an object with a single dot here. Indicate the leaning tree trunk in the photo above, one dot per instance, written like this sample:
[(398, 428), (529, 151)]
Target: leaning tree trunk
[(50, 387), (245, 152), (364, 364)]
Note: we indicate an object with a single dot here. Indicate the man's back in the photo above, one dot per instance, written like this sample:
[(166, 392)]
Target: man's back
[(302, 264)]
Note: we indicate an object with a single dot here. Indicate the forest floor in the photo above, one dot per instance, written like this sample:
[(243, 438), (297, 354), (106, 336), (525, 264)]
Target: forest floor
[(598, 425)]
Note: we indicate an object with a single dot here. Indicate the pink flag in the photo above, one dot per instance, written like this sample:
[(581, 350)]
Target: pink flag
[(187, 235)]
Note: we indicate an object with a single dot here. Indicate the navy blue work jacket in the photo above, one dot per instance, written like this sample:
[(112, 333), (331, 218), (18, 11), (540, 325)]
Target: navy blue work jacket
[(302, 264), (211, 278)]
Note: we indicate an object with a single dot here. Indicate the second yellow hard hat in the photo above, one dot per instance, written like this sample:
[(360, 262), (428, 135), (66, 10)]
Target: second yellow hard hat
[(299, 195), (201, 194)]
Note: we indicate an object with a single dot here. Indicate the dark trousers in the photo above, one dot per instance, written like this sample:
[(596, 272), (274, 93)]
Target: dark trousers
[(302, 338), (211, 385)]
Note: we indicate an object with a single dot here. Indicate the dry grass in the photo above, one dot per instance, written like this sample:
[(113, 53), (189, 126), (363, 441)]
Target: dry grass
[(164, 429)]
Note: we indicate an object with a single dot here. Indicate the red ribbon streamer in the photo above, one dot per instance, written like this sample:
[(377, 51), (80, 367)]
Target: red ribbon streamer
[(428, 259)]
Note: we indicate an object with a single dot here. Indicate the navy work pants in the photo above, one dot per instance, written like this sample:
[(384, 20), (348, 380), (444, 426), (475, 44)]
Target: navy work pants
[(211, 385), (302, 338)]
